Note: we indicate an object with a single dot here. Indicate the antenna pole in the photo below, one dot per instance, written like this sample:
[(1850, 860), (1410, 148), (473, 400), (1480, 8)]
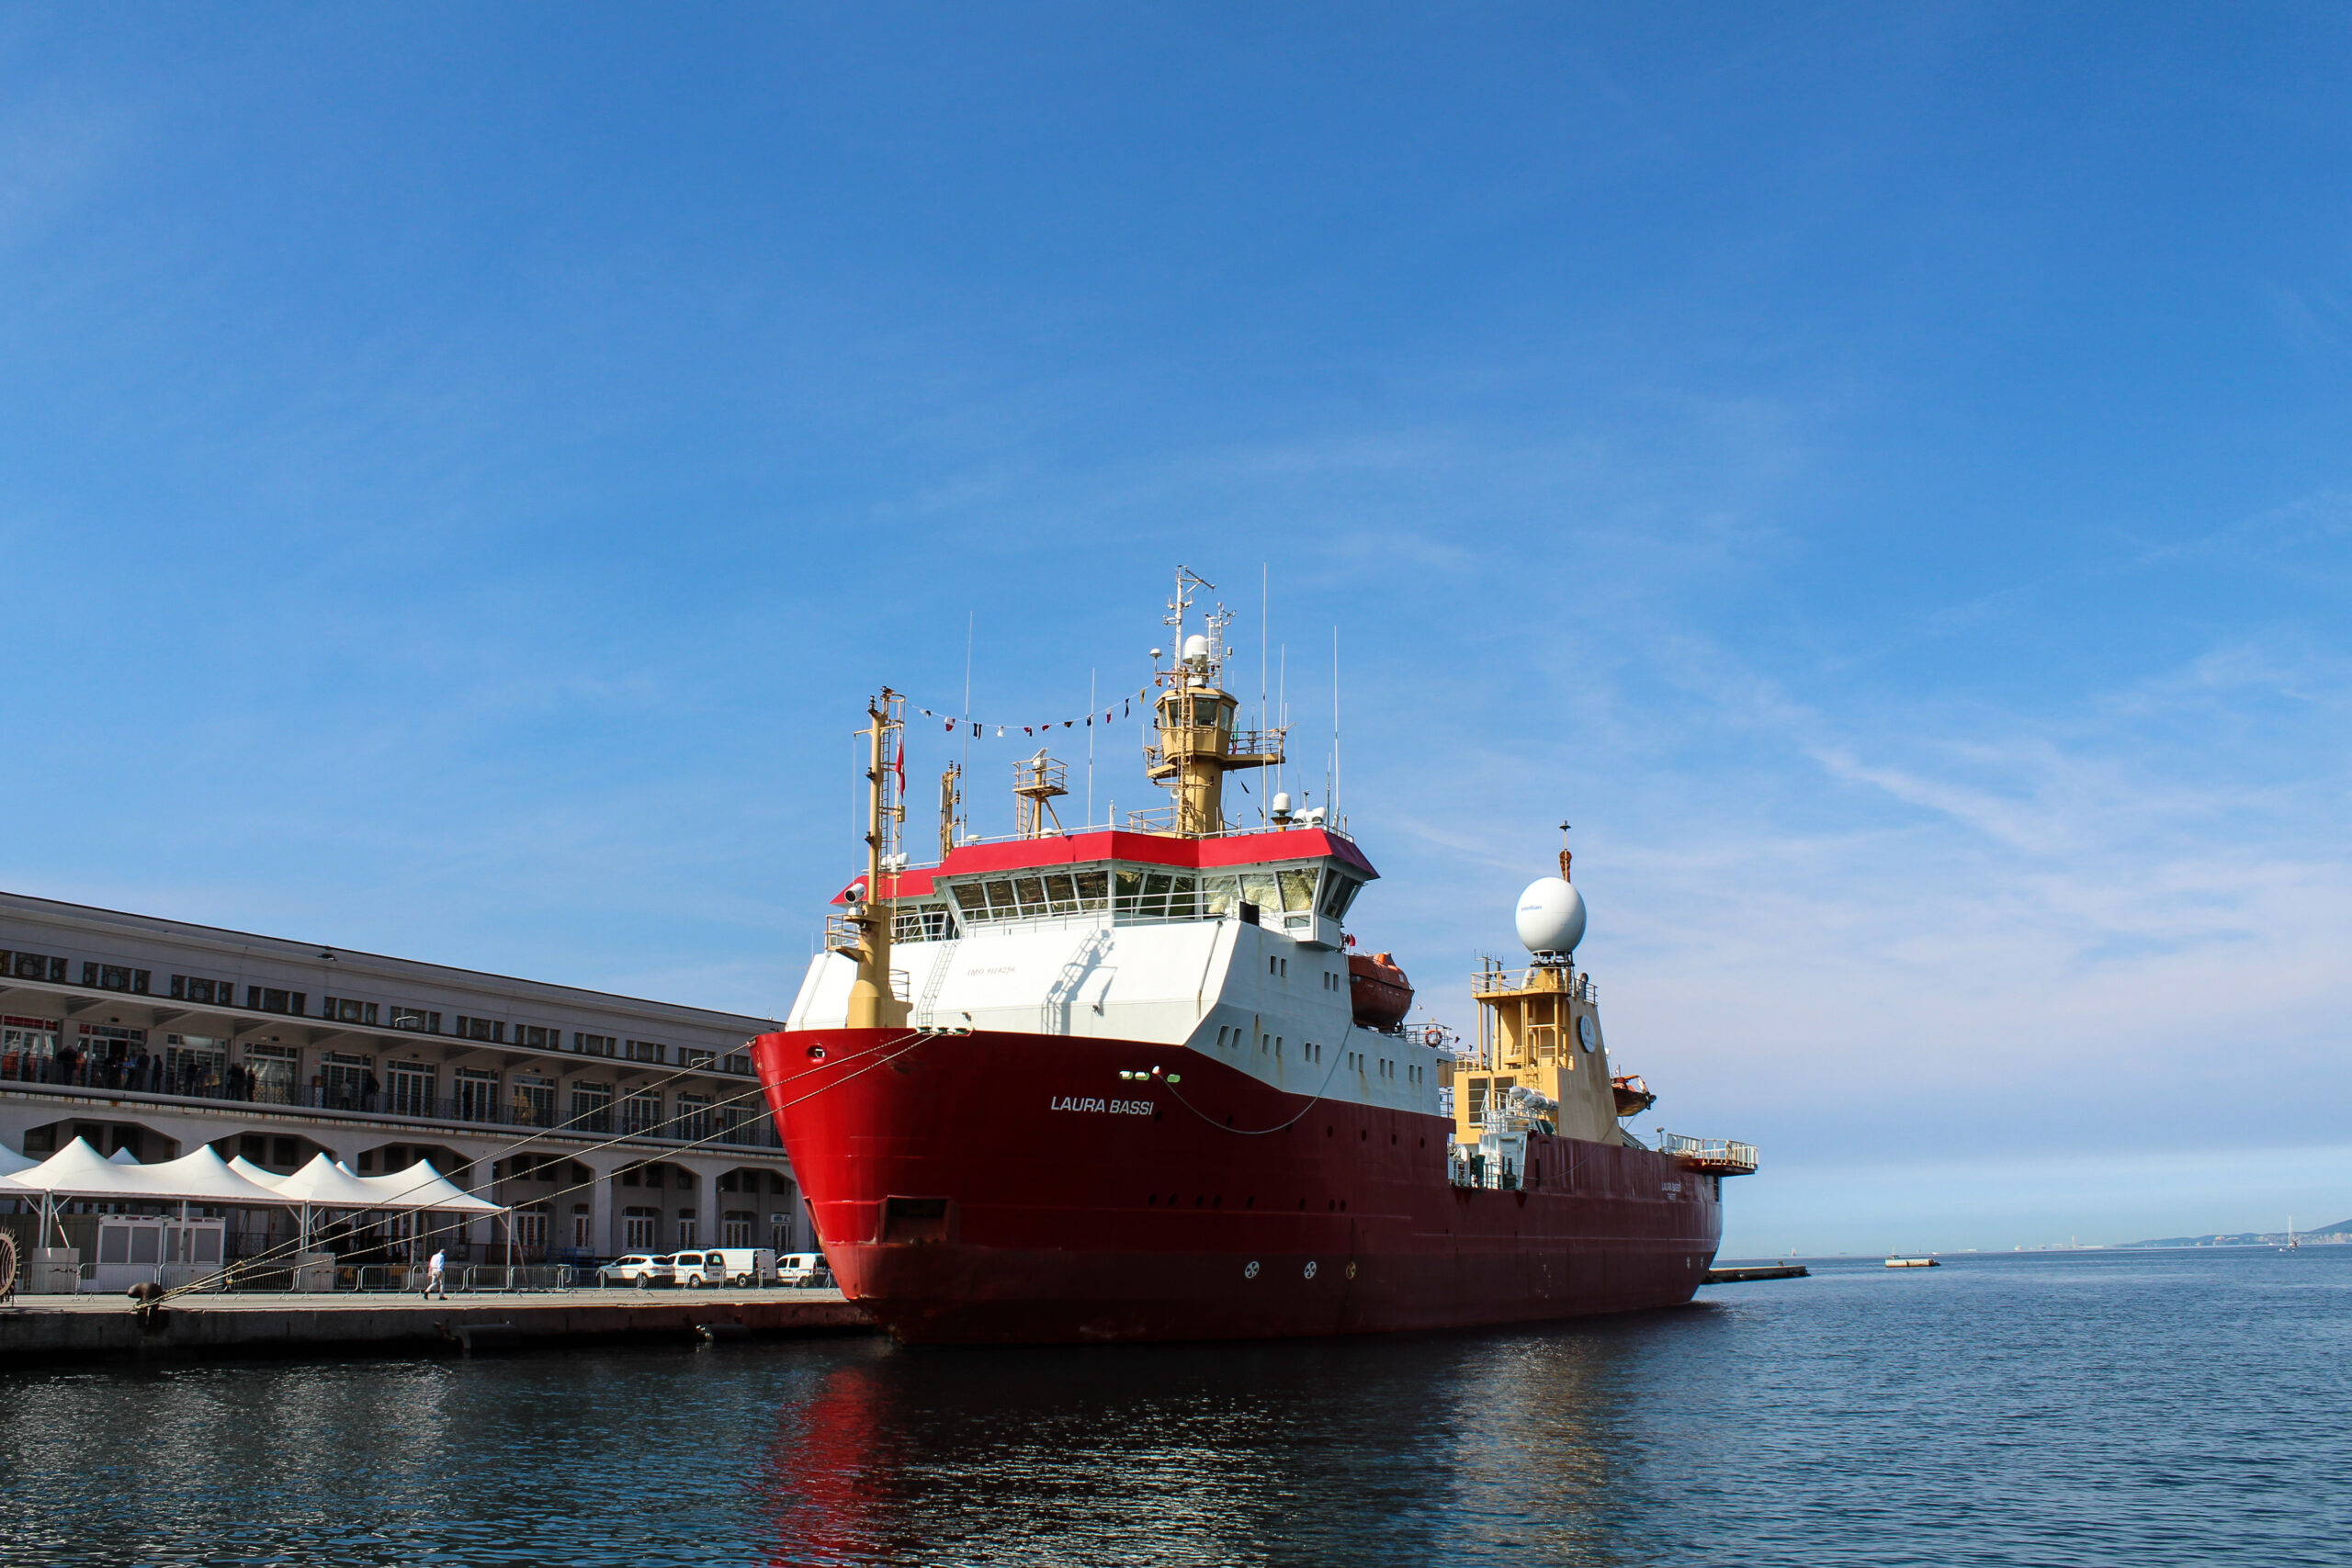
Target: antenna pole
[(872, 1002)]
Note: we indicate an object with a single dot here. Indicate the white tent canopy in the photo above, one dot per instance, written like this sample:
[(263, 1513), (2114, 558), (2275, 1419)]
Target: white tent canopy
[(324, 1184), (78, 1170), (123, 1156), (422, 1187), (12, 1162), (256, 1174)]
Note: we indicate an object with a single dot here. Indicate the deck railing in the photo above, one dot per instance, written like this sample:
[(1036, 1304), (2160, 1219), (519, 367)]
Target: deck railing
[(1162, 819), (750, 1128), (1491, 1174), (1719, 1154), (1495, 980)]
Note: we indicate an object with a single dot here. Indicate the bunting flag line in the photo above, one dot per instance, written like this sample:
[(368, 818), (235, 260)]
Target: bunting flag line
[(1126, 709)]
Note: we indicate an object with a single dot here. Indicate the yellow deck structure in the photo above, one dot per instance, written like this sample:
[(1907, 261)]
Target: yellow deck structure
[(1539, 1029)]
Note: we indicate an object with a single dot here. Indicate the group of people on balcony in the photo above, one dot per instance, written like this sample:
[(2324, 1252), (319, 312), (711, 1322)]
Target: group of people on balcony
[(137, 1071)]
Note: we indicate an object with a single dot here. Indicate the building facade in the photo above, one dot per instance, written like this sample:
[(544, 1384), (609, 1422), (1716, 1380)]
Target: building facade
[(608, 1123)]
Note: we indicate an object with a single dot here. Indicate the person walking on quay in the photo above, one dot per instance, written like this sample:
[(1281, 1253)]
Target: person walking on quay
[(435, 1278)]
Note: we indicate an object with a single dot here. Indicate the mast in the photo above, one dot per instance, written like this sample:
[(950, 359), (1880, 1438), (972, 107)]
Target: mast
[(1197, 744), (1035, 781), (873, 1004), (951, 796)]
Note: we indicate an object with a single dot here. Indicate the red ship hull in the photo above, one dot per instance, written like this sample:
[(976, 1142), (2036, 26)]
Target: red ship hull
[(1000, 1188)]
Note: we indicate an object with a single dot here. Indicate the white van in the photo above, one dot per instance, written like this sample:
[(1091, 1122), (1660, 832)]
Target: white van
[(694, 1270), (742, 1264), (804, 1268)]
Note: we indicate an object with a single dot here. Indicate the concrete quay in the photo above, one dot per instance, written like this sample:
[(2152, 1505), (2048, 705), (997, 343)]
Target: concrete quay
[(46, 1332)]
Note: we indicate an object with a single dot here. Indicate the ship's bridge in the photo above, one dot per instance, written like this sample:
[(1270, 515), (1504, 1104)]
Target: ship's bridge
[(1298, 881)]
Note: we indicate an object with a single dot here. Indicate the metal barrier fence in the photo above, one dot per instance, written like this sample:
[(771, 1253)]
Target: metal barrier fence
[(373, 1279)]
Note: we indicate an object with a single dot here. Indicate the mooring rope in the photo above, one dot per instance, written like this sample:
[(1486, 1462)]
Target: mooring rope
[(913, 1039)]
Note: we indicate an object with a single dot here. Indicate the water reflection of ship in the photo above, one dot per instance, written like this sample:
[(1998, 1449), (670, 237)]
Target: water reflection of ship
[(838, 1472), (1209, 1455)]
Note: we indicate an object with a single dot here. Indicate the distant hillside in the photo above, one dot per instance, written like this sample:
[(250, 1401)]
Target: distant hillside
[(2320, 1235)]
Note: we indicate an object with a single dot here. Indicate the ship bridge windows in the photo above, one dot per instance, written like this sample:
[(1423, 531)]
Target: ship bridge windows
[(1155, 896), (922, 922), (1129, 893), (1079, 892), (1298, 889), (1288, 890)]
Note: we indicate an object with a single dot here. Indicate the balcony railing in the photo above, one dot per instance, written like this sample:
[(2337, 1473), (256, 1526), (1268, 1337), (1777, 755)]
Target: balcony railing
[(1495, 980), (1161, 820), (1720, 1155), (749, 1128)]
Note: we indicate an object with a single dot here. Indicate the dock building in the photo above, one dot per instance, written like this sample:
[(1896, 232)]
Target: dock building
[(607, 1124)]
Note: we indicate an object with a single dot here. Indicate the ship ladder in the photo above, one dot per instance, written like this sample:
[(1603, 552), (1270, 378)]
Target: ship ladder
[(1054, 1015), (933, 983)]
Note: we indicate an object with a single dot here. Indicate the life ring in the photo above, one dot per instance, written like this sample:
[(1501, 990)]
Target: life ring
[(1433, 1036)]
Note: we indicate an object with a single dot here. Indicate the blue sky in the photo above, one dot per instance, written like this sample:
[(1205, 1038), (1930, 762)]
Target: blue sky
[(1885, 475)]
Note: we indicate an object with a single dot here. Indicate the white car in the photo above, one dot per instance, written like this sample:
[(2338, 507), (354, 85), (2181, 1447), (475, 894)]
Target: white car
[(803, 1269), (632, 1269)]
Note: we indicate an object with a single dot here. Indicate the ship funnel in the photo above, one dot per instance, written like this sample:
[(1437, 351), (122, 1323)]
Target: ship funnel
[(1551, 917)]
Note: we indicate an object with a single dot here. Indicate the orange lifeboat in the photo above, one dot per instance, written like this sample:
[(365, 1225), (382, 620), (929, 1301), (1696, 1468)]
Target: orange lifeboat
[(1382, 993), (1634, 1096)]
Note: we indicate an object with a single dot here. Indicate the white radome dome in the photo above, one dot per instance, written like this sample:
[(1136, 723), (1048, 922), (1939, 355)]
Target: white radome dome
[(1550, 916), (1196, 649)]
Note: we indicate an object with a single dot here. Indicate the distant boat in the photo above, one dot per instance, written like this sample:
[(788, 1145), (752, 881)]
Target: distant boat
[(2291, 1242), (1915, 1263)]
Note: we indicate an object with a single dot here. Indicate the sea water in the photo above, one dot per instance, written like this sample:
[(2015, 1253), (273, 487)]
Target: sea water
[(2090, 1407)]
